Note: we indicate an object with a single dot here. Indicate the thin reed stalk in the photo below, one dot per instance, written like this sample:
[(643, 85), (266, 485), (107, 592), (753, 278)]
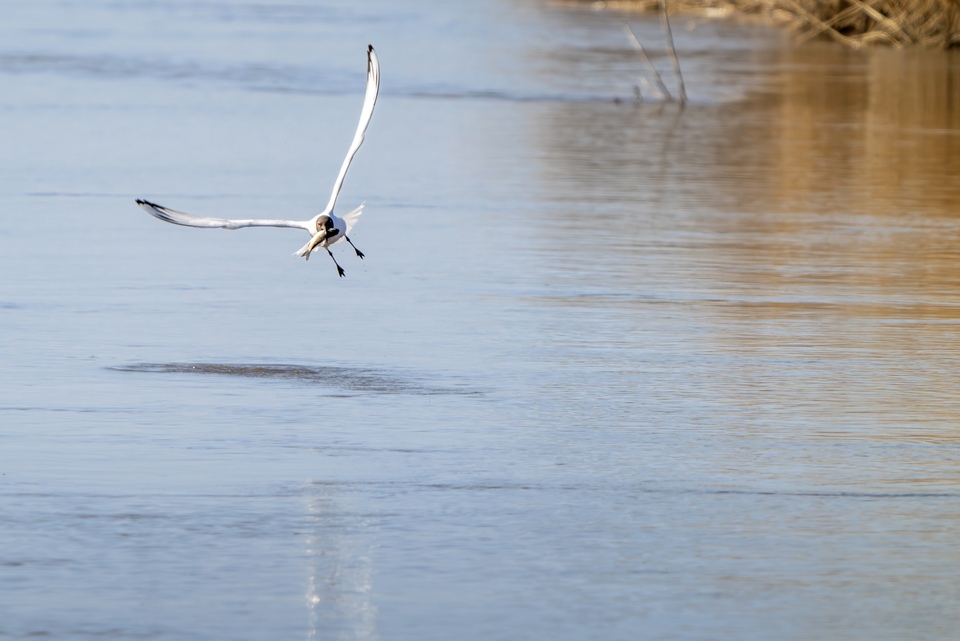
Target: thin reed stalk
[(668, 34), (660, 87)]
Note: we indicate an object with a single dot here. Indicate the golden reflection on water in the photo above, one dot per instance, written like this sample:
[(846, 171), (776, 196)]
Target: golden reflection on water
[(879, 126), (811, 229)]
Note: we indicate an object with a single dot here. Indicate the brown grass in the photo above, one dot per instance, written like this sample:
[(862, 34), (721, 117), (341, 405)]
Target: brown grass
[(897, 23)]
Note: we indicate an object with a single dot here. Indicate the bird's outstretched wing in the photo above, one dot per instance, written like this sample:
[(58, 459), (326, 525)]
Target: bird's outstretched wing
[(181, 218), (352, 218), (369, 100)]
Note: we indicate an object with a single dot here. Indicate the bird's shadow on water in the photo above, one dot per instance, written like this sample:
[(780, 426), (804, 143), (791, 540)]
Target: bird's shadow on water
[(348, 380)]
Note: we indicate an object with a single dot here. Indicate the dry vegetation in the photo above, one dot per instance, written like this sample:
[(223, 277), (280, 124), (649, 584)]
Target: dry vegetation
[(898, 23)]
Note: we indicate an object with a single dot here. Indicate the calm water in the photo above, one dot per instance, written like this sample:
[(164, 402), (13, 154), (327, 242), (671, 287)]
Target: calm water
[(609, 370)]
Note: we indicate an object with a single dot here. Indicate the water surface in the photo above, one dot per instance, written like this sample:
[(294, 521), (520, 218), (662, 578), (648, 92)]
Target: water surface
[(609, 370)]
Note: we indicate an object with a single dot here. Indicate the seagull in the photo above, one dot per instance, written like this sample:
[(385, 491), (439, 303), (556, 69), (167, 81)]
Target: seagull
[(326, 228)]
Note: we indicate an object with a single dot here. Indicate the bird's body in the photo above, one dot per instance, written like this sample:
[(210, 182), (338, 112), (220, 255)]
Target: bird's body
[(330, 229), (326, 228)]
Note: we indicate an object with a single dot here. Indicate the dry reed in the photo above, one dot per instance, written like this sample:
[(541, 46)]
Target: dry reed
[(659, 86), (857, 23)]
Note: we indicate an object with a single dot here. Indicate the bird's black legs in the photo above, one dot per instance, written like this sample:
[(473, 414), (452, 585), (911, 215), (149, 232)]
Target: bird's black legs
[(359, 253), (339, 268)]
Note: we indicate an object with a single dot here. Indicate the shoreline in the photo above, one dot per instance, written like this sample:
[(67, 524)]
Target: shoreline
[(854, 23)]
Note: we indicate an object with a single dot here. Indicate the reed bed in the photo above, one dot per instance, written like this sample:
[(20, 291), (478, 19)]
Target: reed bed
[(857, 23)]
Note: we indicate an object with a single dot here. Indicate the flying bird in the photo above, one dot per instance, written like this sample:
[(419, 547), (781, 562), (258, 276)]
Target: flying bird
[(326, 228)]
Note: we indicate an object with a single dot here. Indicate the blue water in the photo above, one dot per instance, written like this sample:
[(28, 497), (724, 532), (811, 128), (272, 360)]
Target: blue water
[(609, 370)]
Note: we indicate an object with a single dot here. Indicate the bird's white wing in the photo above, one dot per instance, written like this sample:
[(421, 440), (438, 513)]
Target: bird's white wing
[(352, 218), (369, 100), (181, 218)]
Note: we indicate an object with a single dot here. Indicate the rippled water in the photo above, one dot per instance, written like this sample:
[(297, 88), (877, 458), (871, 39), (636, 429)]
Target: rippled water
[(609, 370)]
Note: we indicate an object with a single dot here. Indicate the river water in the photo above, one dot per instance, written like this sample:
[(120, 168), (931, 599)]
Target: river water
[(609, 370)]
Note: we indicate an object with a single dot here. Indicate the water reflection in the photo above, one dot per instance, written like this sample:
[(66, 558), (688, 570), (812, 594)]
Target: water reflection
[(875, 131), (340, 565), (834, 131), (805, 238)]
